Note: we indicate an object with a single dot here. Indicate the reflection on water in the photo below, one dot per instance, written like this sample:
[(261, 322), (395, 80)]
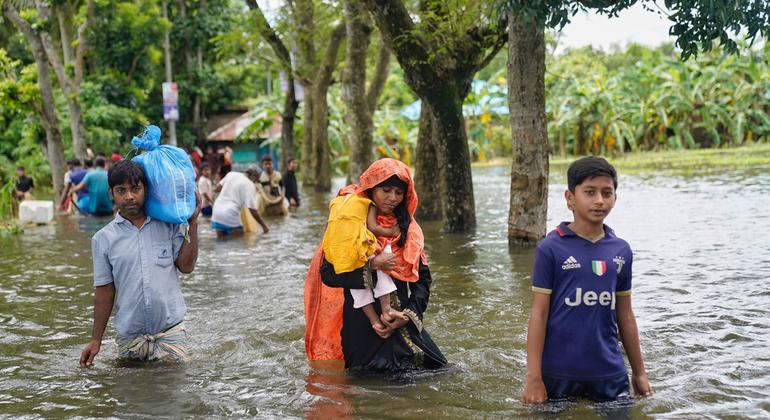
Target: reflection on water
[(702, 260)]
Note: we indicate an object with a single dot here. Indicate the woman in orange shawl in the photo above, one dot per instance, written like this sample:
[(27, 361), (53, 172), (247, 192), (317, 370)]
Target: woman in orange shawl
[(335, 330)]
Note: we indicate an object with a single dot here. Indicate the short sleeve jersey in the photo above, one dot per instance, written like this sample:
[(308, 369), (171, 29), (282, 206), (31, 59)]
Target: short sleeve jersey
[(583, 280)]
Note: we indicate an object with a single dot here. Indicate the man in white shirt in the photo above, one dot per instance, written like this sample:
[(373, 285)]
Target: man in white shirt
[(236, 192)]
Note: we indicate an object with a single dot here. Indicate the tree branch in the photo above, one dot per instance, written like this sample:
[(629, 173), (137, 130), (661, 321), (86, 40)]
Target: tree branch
[(270, 35), (398, 32), (80, 51), (377, 84), (324, 75)]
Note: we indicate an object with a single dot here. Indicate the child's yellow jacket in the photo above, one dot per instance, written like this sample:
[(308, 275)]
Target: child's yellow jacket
[(347, 243)]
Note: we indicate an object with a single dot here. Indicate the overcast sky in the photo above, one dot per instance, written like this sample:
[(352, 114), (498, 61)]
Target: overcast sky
[(632, 25)]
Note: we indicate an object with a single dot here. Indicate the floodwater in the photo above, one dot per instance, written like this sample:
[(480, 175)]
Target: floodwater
[(701, 297)]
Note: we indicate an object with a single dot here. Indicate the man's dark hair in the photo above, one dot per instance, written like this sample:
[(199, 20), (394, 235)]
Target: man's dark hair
[(203, 166), (290, 161), (587, 168), (74, 162), (267, 158), (123, 171), (100, 162), (401, 212), (88, 163)]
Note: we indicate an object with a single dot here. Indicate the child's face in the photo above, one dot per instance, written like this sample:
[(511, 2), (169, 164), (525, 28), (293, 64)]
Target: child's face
[(592, 200), (129, 198), (267, 165), (206, 172), (387, 198)]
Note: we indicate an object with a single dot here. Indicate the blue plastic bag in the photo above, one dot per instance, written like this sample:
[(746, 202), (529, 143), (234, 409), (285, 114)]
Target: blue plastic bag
[(170, 178)]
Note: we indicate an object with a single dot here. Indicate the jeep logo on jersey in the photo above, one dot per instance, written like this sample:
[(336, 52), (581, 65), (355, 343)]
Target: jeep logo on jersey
[(599, 267), (591, 298)]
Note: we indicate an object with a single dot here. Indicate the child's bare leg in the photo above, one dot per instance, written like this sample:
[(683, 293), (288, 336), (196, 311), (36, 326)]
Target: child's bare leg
[(373, 318), (382, 292), (388, 313)]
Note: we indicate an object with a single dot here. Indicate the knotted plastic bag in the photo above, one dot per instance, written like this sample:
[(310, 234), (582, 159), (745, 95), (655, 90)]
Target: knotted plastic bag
[(170, 179)]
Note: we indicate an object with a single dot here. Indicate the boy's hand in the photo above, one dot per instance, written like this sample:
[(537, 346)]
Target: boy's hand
[(641, 385), (89, 353), (534, 391)]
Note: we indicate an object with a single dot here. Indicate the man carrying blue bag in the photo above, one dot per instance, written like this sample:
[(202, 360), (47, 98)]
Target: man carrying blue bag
[(138, 255)]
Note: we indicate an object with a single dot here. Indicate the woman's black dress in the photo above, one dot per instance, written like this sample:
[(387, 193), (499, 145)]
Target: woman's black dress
[(408, 348)]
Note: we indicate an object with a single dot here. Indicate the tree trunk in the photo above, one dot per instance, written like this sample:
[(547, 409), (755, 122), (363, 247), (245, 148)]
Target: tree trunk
[(321, 159), (320, 121), (47, 111), (69, 85), (455, 162), (308, 159), (426, 169), (526, 102), (359, 114), (290, 105)]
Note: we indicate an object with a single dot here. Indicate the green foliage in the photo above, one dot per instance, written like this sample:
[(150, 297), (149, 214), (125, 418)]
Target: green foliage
[(596, 106)]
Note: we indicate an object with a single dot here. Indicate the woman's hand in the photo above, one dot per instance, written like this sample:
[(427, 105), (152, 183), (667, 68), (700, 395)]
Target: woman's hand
[(383, 262), (391, 327)]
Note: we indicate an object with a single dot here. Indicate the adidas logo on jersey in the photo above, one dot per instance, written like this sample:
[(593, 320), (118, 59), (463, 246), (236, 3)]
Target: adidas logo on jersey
[(570, 263)]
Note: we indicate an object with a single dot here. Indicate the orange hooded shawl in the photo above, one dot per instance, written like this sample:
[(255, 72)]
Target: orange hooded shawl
[(323, 304)]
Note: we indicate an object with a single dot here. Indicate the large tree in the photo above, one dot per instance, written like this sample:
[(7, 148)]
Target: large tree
[(695, 24), (314, 71), (360, 102), (440, 54), (67, 57), (46, 108), (290, 103)]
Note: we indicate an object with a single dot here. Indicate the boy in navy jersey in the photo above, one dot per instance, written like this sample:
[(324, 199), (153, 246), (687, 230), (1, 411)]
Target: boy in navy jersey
[(582, 300)]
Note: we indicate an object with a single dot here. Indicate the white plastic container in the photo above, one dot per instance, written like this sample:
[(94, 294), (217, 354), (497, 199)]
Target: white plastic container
[(32, 211)]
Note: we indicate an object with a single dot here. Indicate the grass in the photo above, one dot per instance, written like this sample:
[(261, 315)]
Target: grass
[(687, 163)]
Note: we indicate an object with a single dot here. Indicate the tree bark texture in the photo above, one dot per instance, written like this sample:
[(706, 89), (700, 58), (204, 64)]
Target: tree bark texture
[(359, 114), (427, 180), (455, 164), (526, 102), (69, 85), (320, 121), (308, 163), (290, 105), (54, 148)]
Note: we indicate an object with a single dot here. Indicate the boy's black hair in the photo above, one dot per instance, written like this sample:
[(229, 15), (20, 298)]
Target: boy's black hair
[(88, 163), (402, 215), (203, 166), (126, 170), (74, 162), (587, 168), (267, 158), (100, 162)]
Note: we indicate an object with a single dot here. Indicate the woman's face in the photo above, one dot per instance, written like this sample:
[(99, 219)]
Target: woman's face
[(387, 198)]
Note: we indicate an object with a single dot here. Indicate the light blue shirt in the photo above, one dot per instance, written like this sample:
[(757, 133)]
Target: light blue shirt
[(141, 264)]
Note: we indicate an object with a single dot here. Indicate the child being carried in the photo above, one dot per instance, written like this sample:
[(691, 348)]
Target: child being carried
[(357, 230)]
